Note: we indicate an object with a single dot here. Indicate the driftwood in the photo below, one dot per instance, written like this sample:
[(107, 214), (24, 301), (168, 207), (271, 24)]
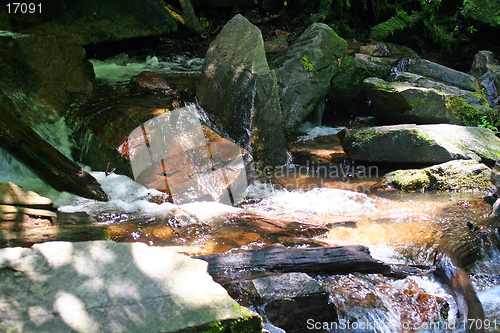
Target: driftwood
[(47, 162), (277, 258)]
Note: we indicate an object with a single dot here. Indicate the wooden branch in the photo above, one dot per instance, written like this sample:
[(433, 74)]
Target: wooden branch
[(277, 258), (47, 162)]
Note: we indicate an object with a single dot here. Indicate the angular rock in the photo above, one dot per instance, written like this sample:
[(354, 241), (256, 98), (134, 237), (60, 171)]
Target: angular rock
[(305, 70), (104, 286), (286, 300), (407, 98), (452, 176), (92, 21), (486, 70), (426, 144), (43, 75), (238, 87), (444, 74)]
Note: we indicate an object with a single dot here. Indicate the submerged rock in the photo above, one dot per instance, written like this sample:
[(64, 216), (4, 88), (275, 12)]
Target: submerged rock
[(238, 87), (454, 176), (407, 98), (104, 286), (305, 70), (425, 144)]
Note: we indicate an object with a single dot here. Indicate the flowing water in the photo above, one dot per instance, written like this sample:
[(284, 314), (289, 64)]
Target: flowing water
[(332, 206)]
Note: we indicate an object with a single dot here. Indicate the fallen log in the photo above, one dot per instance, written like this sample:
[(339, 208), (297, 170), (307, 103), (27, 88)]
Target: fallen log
[(277, 258), (47, 162)]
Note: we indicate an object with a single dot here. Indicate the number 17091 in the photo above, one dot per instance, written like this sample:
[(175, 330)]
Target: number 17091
[(24, 8)]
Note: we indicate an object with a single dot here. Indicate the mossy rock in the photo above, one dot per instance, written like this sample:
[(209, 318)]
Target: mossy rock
[(424, 144), (305, 70), (453, 176)]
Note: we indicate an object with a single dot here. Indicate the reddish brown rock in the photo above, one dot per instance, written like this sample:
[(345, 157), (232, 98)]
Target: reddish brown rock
[(149, 83)]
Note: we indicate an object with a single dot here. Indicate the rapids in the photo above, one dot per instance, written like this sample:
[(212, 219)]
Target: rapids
[(397, 228)]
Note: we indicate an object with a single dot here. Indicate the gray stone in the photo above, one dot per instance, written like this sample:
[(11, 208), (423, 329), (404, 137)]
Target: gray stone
[(43, 75), (286, 300), (495, 176), (407, 97), (444, 74), (95, 21), (238, 87), (454, 176), (486, 70), (426, 144), (104, 286), (305, 70)]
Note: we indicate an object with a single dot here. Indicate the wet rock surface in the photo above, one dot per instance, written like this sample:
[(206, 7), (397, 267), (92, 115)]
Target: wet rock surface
[(238, 87), (110, 287), (288, 301)]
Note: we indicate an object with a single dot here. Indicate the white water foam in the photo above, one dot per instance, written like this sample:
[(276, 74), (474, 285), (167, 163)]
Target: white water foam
[(125, 197), (118, 70), (490, 299), (317, 132), (315, 201)]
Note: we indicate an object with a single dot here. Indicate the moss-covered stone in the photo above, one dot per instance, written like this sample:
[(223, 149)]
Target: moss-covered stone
[(425, 144), (305, 70), (454, 176)]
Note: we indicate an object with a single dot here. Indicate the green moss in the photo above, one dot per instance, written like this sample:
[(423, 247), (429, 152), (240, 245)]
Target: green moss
[(107, 234), (484, 11), (466, 114), (306, 64), (409, 180), (395, 27)]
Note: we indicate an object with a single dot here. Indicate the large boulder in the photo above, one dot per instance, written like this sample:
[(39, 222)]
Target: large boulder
[(162, 148), (486, 70), (425, 144), (305, 70), (43, 75), (454, 176), (238, 87), (94, 21), (104, 286), (412, 98)]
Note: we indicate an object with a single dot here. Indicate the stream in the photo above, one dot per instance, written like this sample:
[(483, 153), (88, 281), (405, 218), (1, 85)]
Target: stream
[(398, 228)]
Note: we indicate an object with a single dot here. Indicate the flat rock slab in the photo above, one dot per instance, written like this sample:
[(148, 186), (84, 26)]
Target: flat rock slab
[(425, 144), (104, 286)]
